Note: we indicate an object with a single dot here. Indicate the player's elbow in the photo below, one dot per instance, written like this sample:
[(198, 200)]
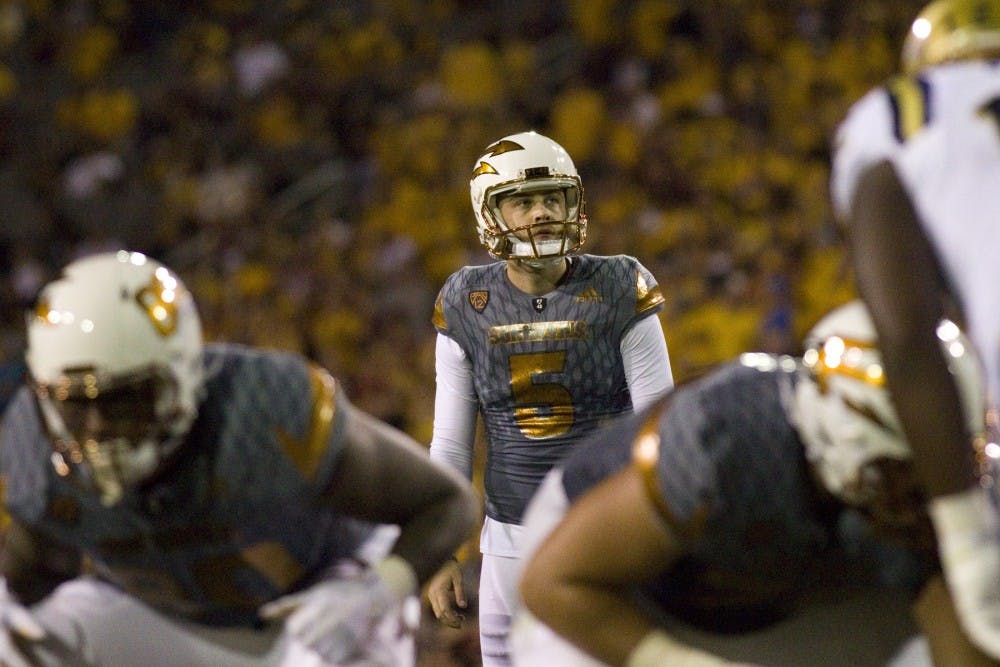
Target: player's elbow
[(467, 507), (540, 591), (462, 513)]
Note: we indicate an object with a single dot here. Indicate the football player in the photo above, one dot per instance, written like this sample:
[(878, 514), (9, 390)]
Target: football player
[(916, 174), (767, 495), (175, 503), (545, 343)]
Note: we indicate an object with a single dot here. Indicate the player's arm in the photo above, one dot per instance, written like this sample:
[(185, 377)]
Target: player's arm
[(380, 475), (646, 361), (31, 568), (578, 582), (383, 475), (456, 407), (901, 280)]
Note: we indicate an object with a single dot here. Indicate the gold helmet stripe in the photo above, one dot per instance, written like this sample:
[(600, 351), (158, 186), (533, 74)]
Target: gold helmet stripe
[(483, 168), (503, 146), (160, 300)]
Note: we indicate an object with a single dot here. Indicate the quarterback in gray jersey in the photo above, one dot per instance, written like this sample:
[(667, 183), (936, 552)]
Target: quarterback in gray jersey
[(174, 503), (546, 346), (738, 503)]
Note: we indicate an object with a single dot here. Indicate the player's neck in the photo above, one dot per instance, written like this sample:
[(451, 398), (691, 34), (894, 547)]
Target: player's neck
[(536, 279)]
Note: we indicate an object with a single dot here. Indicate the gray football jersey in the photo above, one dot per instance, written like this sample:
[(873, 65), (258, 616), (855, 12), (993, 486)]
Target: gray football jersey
[(237, 520), (730, 475), (548, 369)]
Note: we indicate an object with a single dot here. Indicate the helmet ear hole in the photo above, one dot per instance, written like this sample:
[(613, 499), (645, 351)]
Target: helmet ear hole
[(522, 163)]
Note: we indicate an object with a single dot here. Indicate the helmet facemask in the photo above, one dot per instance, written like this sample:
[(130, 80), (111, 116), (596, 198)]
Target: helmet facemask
[(117, 430), (505, 242)]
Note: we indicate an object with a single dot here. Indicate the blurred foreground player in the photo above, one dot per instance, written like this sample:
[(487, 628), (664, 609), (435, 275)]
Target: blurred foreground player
[(916, 180), (747, 504), (174, 503)]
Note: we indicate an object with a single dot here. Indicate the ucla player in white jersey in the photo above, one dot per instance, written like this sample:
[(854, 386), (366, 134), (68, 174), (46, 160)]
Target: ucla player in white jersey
[(917, 181), (546, 344)]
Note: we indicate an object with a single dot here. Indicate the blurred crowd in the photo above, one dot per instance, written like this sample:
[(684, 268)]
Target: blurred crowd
[(304, 165)]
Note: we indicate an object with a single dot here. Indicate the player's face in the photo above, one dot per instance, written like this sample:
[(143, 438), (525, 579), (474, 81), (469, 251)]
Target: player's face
[(522, 210), (125, 412)]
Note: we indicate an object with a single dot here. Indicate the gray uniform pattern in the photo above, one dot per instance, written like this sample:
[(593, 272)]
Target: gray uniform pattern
[(730, 462), (548, 370), (235, 522)]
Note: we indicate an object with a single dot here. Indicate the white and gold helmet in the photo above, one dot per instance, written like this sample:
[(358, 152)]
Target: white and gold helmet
[(950, 30), (842, 409), (523, 163), (115, 358)]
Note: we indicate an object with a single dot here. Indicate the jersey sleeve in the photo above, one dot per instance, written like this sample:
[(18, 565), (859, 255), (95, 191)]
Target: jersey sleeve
[(437, 318), (443, 306), (675, 484), (865, 137), (456, 407), (646, 361), (648, 296)]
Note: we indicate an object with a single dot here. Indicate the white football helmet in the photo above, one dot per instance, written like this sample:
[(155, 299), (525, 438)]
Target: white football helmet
[(115, 358), (842, 408), (949, 30), (522, 163)]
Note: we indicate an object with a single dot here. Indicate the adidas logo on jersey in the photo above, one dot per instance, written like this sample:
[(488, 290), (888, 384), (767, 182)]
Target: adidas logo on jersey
[(589, 294)]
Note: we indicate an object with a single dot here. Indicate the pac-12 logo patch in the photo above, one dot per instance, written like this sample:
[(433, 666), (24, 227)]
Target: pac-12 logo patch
[(479, 298), (539, 303)]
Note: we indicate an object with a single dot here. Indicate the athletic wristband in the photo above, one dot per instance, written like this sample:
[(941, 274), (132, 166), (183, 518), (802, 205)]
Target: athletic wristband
[(397, 575), (657, 649)]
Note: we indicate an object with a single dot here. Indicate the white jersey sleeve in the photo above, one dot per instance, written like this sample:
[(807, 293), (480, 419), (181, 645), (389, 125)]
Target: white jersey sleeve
[(646, 361), (865, 137), (456, 407)]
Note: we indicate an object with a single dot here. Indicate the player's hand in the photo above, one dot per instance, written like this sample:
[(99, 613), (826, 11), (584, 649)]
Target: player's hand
[(18, 626), (336, 617), (447, 596)]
